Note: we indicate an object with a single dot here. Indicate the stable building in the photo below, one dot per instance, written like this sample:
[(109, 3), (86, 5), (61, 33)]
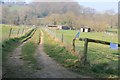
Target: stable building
[(58, 27), (85, 29), (53, 27)]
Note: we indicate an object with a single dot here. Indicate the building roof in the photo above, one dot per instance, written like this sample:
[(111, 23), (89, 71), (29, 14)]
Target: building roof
[(85, 27)]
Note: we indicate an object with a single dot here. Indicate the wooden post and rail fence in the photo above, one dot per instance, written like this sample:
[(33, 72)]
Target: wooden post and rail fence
[(17, 33), (86, 40)]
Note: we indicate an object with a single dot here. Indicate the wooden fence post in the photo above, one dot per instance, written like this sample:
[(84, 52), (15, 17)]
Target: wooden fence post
[(86, 40), (22, 30), (25, 30), (74, 45), (39, 37), (10, 32), (18, 32), (62, 38), (85, 51)]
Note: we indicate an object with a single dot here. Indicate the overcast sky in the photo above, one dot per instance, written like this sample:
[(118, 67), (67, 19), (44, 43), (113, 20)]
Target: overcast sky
[(99, 5)]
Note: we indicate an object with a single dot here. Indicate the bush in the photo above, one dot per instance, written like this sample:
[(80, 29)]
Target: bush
[(99, 68)]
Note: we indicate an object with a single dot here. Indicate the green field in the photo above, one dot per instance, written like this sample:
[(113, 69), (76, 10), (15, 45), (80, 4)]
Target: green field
[(98, 54), (113, 30)]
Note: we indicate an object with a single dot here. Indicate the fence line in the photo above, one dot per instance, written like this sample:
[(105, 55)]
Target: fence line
[(60, 37), (12, 33), (86, 40)]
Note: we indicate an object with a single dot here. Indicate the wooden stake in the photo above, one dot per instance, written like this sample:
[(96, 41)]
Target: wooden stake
[(10, 32), (18, 32), (85, 51)]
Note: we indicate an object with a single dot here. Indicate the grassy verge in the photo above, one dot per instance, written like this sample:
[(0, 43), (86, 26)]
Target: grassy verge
[(9, 45), (7, 50), (60, 54), (29, 49)]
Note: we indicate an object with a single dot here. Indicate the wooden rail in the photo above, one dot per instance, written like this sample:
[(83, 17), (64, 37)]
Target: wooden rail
[(86, 40), (97, 41)]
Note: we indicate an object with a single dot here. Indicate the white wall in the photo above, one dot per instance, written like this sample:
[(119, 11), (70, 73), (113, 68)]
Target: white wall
[(81, 30), (86, 30)]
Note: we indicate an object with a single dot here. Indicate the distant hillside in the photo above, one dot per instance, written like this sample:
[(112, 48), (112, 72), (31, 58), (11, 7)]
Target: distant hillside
[(71, 14), (16, 7), (13, 3)]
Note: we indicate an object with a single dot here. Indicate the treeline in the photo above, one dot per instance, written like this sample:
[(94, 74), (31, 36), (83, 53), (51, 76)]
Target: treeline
[(58, 13)]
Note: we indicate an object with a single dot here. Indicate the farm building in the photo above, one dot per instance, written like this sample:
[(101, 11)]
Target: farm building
[(85, 29), (53, 27), (58, 27)]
